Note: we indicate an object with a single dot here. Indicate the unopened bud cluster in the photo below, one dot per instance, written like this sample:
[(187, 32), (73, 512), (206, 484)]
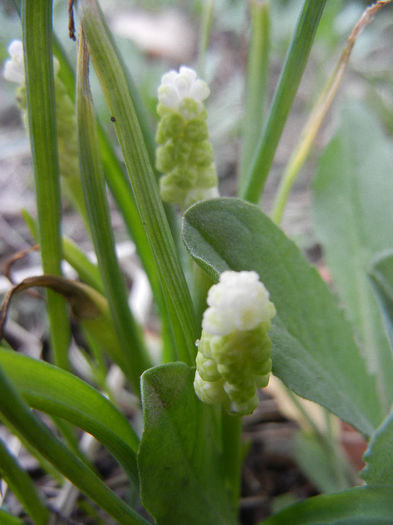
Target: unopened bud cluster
[(65, 116), (184, 155), (233, 358)]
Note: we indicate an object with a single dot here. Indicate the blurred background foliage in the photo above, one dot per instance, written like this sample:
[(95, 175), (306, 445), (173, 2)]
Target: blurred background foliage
[(154, 36)]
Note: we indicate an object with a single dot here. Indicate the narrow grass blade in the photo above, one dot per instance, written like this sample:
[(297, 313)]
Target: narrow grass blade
[(15, 410), (22, 486), (284, 95), (61, 394), (37, 39), (318, 114), (135, 354), (256, 82), (121, 190), (114, 82)]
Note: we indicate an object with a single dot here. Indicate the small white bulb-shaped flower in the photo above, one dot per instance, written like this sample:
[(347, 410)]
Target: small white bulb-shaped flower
[(14, 69), (176, 87), (238, 302)]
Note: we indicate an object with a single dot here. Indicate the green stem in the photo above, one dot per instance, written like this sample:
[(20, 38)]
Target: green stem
[(205, 31), (256, 82), (232, 453), (288, 83), (40, 95)]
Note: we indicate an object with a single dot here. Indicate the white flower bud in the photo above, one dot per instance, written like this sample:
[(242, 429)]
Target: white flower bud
[(177, 87), (14, 69), (238, 302)]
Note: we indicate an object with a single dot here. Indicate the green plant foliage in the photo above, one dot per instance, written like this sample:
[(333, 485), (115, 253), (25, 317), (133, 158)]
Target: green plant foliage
[(378, 458), (7, 519), (313, 350), (353, 217), (59, 393), (359, 506), (319, 462), (22, 486), (178, 457), (381, 275)]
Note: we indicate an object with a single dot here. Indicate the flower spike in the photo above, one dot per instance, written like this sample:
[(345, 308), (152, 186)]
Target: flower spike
[(184, 155), (233, 358)]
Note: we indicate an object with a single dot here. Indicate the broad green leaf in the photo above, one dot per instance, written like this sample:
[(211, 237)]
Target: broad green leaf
[(353, 216), (381, 275), (22, 486), (62, 394), (358, 506), (313, 349), (178, 459), (18, 415), (378, 457)]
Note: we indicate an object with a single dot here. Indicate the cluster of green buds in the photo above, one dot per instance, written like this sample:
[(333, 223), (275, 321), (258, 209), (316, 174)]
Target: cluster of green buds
[(233, 358), (65, 118), (184, 155)]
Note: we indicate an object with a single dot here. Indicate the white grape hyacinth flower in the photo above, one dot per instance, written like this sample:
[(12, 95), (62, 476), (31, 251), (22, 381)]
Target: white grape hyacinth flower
[(176, 87), (238, 302), (14, 69)]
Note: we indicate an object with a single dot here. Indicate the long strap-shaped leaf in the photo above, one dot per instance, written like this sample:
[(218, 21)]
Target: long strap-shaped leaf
[(98, 210), (291, 75), (37, 38), (64, 395), (114, 82), (17, 413), (22, 486)]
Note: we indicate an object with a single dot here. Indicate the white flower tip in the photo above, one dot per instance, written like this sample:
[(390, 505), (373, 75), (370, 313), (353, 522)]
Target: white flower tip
[(14, 67), (238, 302), (176, 86), (15, 49)]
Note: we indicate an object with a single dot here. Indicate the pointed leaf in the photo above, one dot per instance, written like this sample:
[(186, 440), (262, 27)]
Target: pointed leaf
[(353, 216), (313, 349), (178, 458)]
